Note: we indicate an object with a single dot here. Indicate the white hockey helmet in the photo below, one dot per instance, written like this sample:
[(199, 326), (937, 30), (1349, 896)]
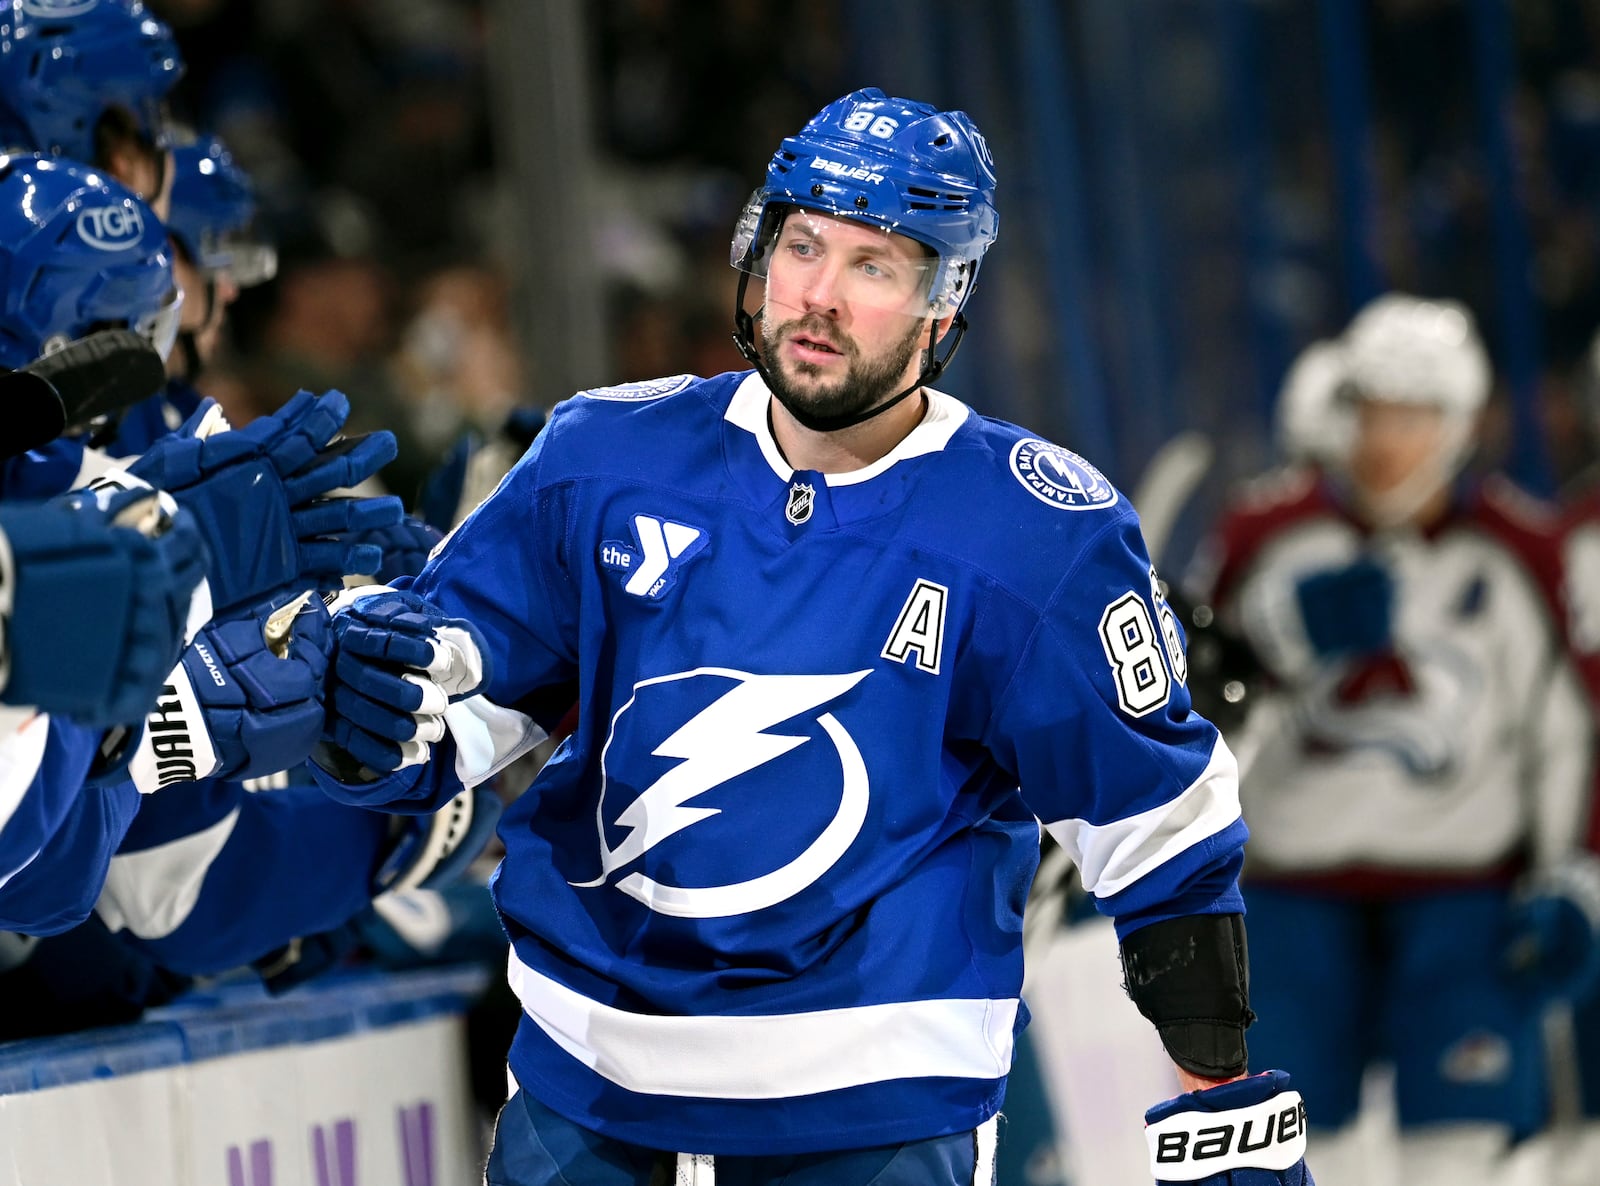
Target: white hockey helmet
[(1313, 423), (1404, 349), (1409, 350)]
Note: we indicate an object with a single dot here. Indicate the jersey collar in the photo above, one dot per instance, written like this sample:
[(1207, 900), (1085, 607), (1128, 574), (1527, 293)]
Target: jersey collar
[(945, 414)]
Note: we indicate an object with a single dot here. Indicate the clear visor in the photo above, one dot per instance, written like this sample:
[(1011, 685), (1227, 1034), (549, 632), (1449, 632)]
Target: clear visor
[(810, 260), (160, 327), (246, 262)]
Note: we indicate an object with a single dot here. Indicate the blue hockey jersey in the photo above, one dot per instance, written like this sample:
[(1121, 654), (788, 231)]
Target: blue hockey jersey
[(212, 875), (768, 897), (43, 763), (56, 835)]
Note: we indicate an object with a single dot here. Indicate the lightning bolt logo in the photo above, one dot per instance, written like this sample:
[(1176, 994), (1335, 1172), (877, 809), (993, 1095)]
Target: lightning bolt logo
[(727, 738), (1060, 477)]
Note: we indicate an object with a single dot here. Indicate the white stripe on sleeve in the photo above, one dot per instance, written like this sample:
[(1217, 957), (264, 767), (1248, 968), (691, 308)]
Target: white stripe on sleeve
[(151, 892), (1113, 856)]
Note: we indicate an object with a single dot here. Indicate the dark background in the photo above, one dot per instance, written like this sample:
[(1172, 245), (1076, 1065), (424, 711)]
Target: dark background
[(483, 202)]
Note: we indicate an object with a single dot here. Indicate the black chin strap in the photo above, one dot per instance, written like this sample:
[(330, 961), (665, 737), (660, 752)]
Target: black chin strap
[(744, 337)]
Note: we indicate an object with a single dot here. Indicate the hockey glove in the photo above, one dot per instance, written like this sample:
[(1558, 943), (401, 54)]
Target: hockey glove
[(398, 663), (246, 700), (404, 547), (1553, 948), (99, 591), (68, 389), (259, 495), (433, 851), (1347, 611), (1251, 1132)]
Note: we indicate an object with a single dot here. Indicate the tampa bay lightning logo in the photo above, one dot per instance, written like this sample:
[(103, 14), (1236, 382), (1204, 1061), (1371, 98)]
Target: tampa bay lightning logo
[(638, 392), (1060, 477), (722, 754)]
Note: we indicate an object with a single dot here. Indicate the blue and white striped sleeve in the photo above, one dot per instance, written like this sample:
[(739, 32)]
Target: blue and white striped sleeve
[(1139, 790)]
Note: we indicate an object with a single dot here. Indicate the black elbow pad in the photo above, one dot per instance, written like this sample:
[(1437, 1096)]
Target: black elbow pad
[(1190, 977)]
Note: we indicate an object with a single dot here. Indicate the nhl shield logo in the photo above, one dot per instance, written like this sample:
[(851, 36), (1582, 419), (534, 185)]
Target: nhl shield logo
[(802, 497)]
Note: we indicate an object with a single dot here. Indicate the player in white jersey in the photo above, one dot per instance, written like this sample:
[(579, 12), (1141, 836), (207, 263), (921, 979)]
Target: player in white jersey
[(821, 622), (1420, 759), (1581, 504)]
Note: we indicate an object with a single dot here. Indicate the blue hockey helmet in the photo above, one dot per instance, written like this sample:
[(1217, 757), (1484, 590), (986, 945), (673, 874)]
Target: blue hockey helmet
[(894, 163), (213, 206), (78, 252), (63, 63)]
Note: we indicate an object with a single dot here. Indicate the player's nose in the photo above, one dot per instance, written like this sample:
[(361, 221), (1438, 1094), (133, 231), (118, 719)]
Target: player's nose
[(821, 292)]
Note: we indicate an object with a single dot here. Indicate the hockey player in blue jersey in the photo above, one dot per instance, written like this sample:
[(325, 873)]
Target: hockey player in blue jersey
[(79, 251), (88, 80), (214, 257), (821, 621)]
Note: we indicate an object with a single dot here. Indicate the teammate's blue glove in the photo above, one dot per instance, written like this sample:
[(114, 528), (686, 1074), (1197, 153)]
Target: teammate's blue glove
[(433, 851), (98, 590), (1553, 947), (398, 663), (1251, 1132), (259, 495), (404, 547), (246, 699), (1348, 611)]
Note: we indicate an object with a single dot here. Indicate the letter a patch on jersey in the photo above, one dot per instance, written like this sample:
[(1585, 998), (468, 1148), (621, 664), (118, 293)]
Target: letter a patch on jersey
[(919, 630)]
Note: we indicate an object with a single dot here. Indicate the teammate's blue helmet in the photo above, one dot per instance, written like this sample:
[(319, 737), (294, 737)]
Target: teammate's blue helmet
[(64, 62), (905, 166), (213, 205), (78, 252)]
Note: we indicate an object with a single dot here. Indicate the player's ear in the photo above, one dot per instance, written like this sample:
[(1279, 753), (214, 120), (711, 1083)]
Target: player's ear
[(942, 327)]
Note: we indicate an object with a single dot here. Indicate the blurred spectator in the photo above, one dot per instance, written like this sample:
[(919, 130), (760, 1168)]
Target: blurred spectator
[(457, 365)]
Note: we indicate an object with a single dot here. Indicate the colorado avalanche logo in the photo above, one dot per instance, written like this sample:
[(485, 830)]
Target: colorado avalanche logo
[(639, 392), (1415, 708), (696, 735), (1060, 477)]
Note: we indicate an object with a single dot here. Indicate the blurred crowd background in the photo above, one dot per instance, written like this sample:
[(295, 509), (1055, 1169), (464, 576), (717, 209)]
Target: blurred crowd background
[(486, 205), (481, 202)]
